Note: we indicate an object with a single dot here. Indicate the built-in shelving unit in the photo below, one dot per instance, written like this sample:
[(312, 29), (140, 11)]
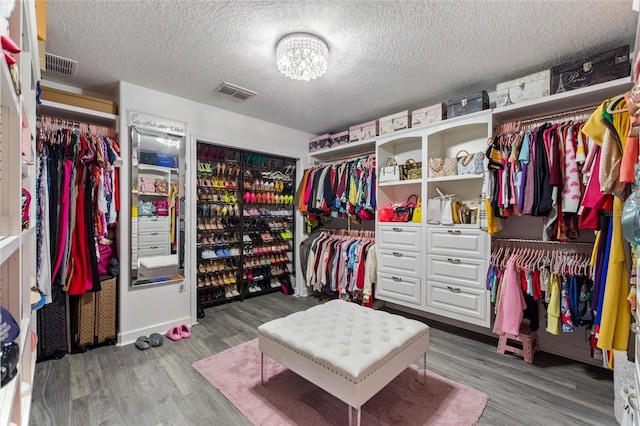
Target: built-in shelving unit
[(18, 172)]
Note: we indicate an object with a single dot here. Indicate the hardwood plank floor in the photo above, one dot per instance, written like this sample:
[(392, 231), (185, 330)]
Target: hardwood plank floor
[(126, 386)]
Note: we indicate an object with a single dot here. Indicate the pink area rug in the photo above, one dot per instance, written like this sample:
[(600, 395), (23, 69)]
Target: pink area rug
[(289, 399)]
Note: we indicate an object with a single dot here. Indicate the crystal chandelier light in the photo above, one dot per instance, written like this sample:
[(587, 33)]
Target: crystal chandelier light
[(302, 56)]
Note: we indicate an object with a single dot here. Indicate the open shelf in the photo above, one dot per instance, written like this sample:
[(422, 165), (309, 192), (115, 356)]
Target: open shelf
[(9, 97), (565, 101), (345, 150), (8, 246), (455, 177), (402, 182), (76, 113)]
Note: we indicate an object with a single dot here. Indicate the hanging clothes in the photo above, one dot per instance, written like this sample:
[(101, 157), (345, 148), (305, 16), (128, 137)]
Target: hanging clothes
[(79, 171)]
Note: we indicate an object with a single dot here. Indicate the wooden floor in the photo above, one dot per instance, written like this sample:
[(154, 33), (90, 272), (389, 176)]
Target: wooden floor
[(126, 386)]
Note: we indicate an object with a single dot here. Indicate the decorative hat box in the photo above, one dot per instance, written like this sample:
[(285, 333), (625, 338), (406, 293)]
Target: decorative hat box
[(313, 144), (394, 122), (428, 115), (473, 102), (523, 89), (320, 142), (605, 66), (341, 138), (363, 131)]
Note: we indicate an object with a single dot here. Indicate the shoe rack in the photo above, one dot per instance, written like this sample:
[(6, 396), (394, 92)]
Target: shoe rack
[(245, 224)]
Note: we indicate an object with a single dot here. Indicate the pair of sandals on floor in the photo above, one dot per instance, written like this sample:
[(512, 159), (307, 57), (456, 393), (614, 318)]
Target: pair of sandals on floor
[(155, 339)]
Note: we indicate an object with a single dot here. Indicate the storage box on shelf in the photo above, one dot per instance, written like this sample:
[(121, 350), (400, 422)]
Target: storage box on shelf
[(394, 122), (17, 172), (428, 115), (523, 89), (363, 131), (339, 139), (473, 102), (606, 66)]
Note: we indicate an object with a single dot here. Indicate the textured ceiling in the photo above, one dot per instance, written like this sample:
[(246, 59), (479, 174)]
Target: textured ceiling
[(385, 56)]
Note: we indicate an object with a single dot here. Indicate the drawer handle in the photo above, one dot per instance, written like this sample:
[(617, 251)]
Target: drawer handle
[(453, 290), (396, 279), (154, 233), (397, 254), (456, 261), (397, 229), (153, 247), (454, 231)]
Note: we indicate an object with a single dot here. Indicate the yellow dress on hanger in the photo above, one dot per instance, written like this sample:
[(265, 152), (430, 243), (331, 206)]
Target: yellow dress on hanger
[(616, 317)]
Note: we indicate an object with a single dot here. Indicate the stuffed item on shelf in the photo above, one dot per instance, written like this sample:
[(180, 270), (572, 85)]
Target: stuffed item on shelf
[(10, 352)]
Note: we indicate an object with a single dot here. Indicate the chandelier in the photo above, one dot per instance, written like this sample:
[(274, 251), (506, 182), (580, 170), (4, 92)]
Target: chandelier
[(302, 56)]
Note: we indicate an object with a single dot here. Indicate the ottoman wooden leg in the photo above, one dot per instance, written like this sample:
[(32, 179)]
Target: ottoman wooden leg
[(354, 416), (264, 380), (422, 369)]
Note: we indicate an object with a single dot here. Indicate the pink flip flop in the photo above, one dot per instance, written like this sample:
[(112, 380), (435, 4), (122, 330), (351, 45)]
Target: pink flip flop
[(174, 334), (184, 331)]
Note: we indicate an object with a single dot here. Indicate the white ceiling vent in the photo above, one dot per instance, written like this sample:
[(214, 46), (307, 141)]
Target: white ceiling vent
[(61, 65), (235, 91)]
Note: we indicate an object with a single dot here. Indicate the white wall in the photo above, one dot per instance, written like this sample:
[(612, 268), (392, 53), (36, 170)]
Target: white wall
[(157, 308)]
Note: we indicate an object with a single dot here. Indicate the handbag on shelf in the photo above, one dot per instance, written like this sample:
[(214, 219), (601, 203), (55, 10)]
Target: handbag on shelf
[(411, 170), (417, 212), (439, 167), (162, 186), (469, 164), (446, 211), (389, 172), (434, 211), (385, 214), (402, 214)]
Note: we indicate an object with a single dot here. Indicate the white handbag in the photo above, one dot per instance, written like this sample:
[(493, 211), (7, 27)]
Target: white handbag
[(389, 172), (433, 211)]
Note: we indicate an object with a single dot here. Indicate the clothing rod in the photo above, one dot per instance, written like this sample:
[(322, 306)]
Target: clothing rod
[(525, 241), (559, 115), (356, 232), (365, 155)]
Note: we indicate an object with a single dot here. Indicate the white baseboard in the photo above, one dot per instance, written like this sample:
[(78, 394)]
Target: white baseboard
[(128, 337)]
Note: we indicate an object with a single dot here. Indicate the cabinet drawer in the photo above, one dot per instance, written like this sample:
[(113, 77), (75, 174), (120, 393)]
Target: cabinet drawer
[(462, 271), (457, 242), (398, 262), (460, 303), (153, 223), (148, 237), (154, 250), (399, 289), (399, 236)]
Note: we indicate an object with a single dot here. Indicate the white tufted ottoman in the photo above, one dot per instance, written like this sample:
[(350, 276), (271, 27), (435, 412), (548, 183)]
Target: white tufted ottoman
[(349, 351)]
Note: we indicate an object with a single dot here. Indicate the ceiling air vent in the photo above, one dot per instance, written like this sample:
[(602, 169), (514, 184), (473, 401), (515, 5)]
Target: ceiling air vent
[(235, 91), (61, 65)]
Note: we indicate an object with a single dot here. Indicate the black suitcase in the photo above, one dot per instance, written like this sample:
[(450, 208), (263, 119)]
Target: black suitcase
[(52, 329)]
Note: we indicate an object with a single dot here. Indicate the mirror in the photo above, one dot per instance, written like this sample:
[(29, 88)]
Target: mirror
[(157, 207)]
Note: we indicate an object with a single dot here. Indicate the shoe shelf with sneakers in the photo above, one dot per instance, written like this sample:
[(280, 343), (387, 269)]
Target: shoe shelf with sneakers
[(245, 234)]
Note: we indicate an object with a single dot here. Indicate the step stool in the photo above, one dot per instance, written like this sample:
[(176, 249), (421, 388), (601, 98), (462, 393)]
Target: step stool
[(527, 338)]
